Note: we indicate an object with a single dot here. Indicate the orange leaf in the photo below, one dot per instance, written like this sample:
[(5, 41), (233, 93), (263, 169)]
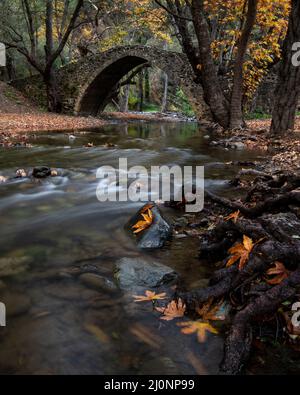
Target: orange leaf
[(174, 309), (150, 296), (143, 224), (197, 327), (234, 216)]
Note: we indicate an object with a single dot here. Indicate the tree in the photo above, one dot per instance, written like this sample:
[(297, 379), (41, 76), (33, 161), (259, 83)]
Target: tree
[(288, 89), (231, 41), (25, 40)]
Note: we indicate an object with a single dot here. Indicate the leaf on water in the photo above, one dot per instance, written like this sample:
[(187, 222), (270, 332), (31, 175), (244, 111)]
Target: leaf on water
[(279, 273), (98, 333), (198, 327), (175, 309), (3, 179), (143, 224), (150, 297), (146, 335), (234, 216), (208, 312)]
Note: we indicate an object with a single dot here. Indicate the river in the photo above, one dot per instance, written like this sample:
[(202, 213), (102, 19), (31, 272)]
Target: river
[(55, 323)]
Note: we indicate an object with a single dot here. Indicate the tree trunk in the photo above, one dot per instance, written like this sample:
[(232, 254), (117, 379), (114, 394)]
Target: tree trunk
[(53, 102), (141, 91), (147, 85), (288, 88), (164, 104), (236, 111), (213, 93), (125, 99)]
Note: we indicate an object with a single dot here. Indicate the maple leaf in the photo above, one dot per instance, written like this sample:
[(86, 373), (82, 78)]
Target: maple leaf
[(150, 297), (175, 309), (198, 327), (209, 313), (240, 252), (143, 224), (279, 272), (147, 207), (234, 216)]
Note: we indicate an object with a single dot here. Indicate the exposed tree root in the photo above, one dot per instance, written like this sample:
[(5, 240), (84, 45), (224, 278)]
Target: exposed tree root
[(269, 220)]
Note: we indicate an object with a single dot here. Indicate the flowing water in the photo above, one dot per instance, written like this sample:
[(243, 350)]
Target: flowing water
[(52, 228)]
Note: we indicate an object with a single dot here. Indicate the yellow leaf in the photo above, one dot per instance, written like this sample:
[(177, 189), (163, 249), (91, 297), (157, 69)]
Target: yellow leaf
[(198, 327)]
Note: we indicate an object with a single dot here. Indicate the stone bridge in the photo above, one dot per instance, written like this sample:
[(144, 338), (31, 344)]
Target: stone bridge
[(85, 85)]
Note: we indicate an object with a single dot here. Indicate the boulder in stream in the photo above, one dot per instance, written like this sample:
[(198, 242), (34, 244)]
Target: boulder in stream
[(41, 172), (156, 234), (140, 272)]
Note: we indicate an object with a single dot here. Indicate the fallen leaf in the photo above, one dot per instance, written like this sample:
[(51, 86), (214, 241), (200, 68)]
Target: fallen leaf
[(150, 296), (208, 312), (175, 309), (146, 335), (143, 224), (279, 272), (98, 333), (147, 207), (234, 216), (198, 327), (240, 252)]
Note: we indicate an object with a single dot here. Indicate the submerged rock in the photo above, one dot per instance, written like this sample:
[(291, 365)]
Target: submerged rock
[(94, 281), (139, 272), (156, 234), (11, 266), (16, 304)]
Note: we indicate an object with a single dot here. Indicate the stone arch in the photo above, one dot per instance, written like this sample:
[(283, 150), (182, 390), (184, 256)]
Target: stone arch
[(85, 85)]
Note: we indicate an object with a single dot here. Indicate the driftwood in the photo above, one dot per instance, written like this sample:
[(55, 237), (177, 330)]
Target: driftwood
[(271, 219)]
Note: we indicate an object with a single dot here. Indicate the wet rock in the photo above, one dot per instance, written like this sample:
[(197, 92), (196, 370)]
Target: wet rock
[(16, 304), (183, 221), (21, 173), (94, 281), (139, 272), (156, 235), (41, 172), (11, 266), (238, 145)]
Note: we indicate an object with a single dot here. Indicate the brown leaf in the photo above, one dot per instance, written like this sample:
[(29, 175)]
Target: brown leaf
[(175, 309), (279, 272), (240, 252)]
